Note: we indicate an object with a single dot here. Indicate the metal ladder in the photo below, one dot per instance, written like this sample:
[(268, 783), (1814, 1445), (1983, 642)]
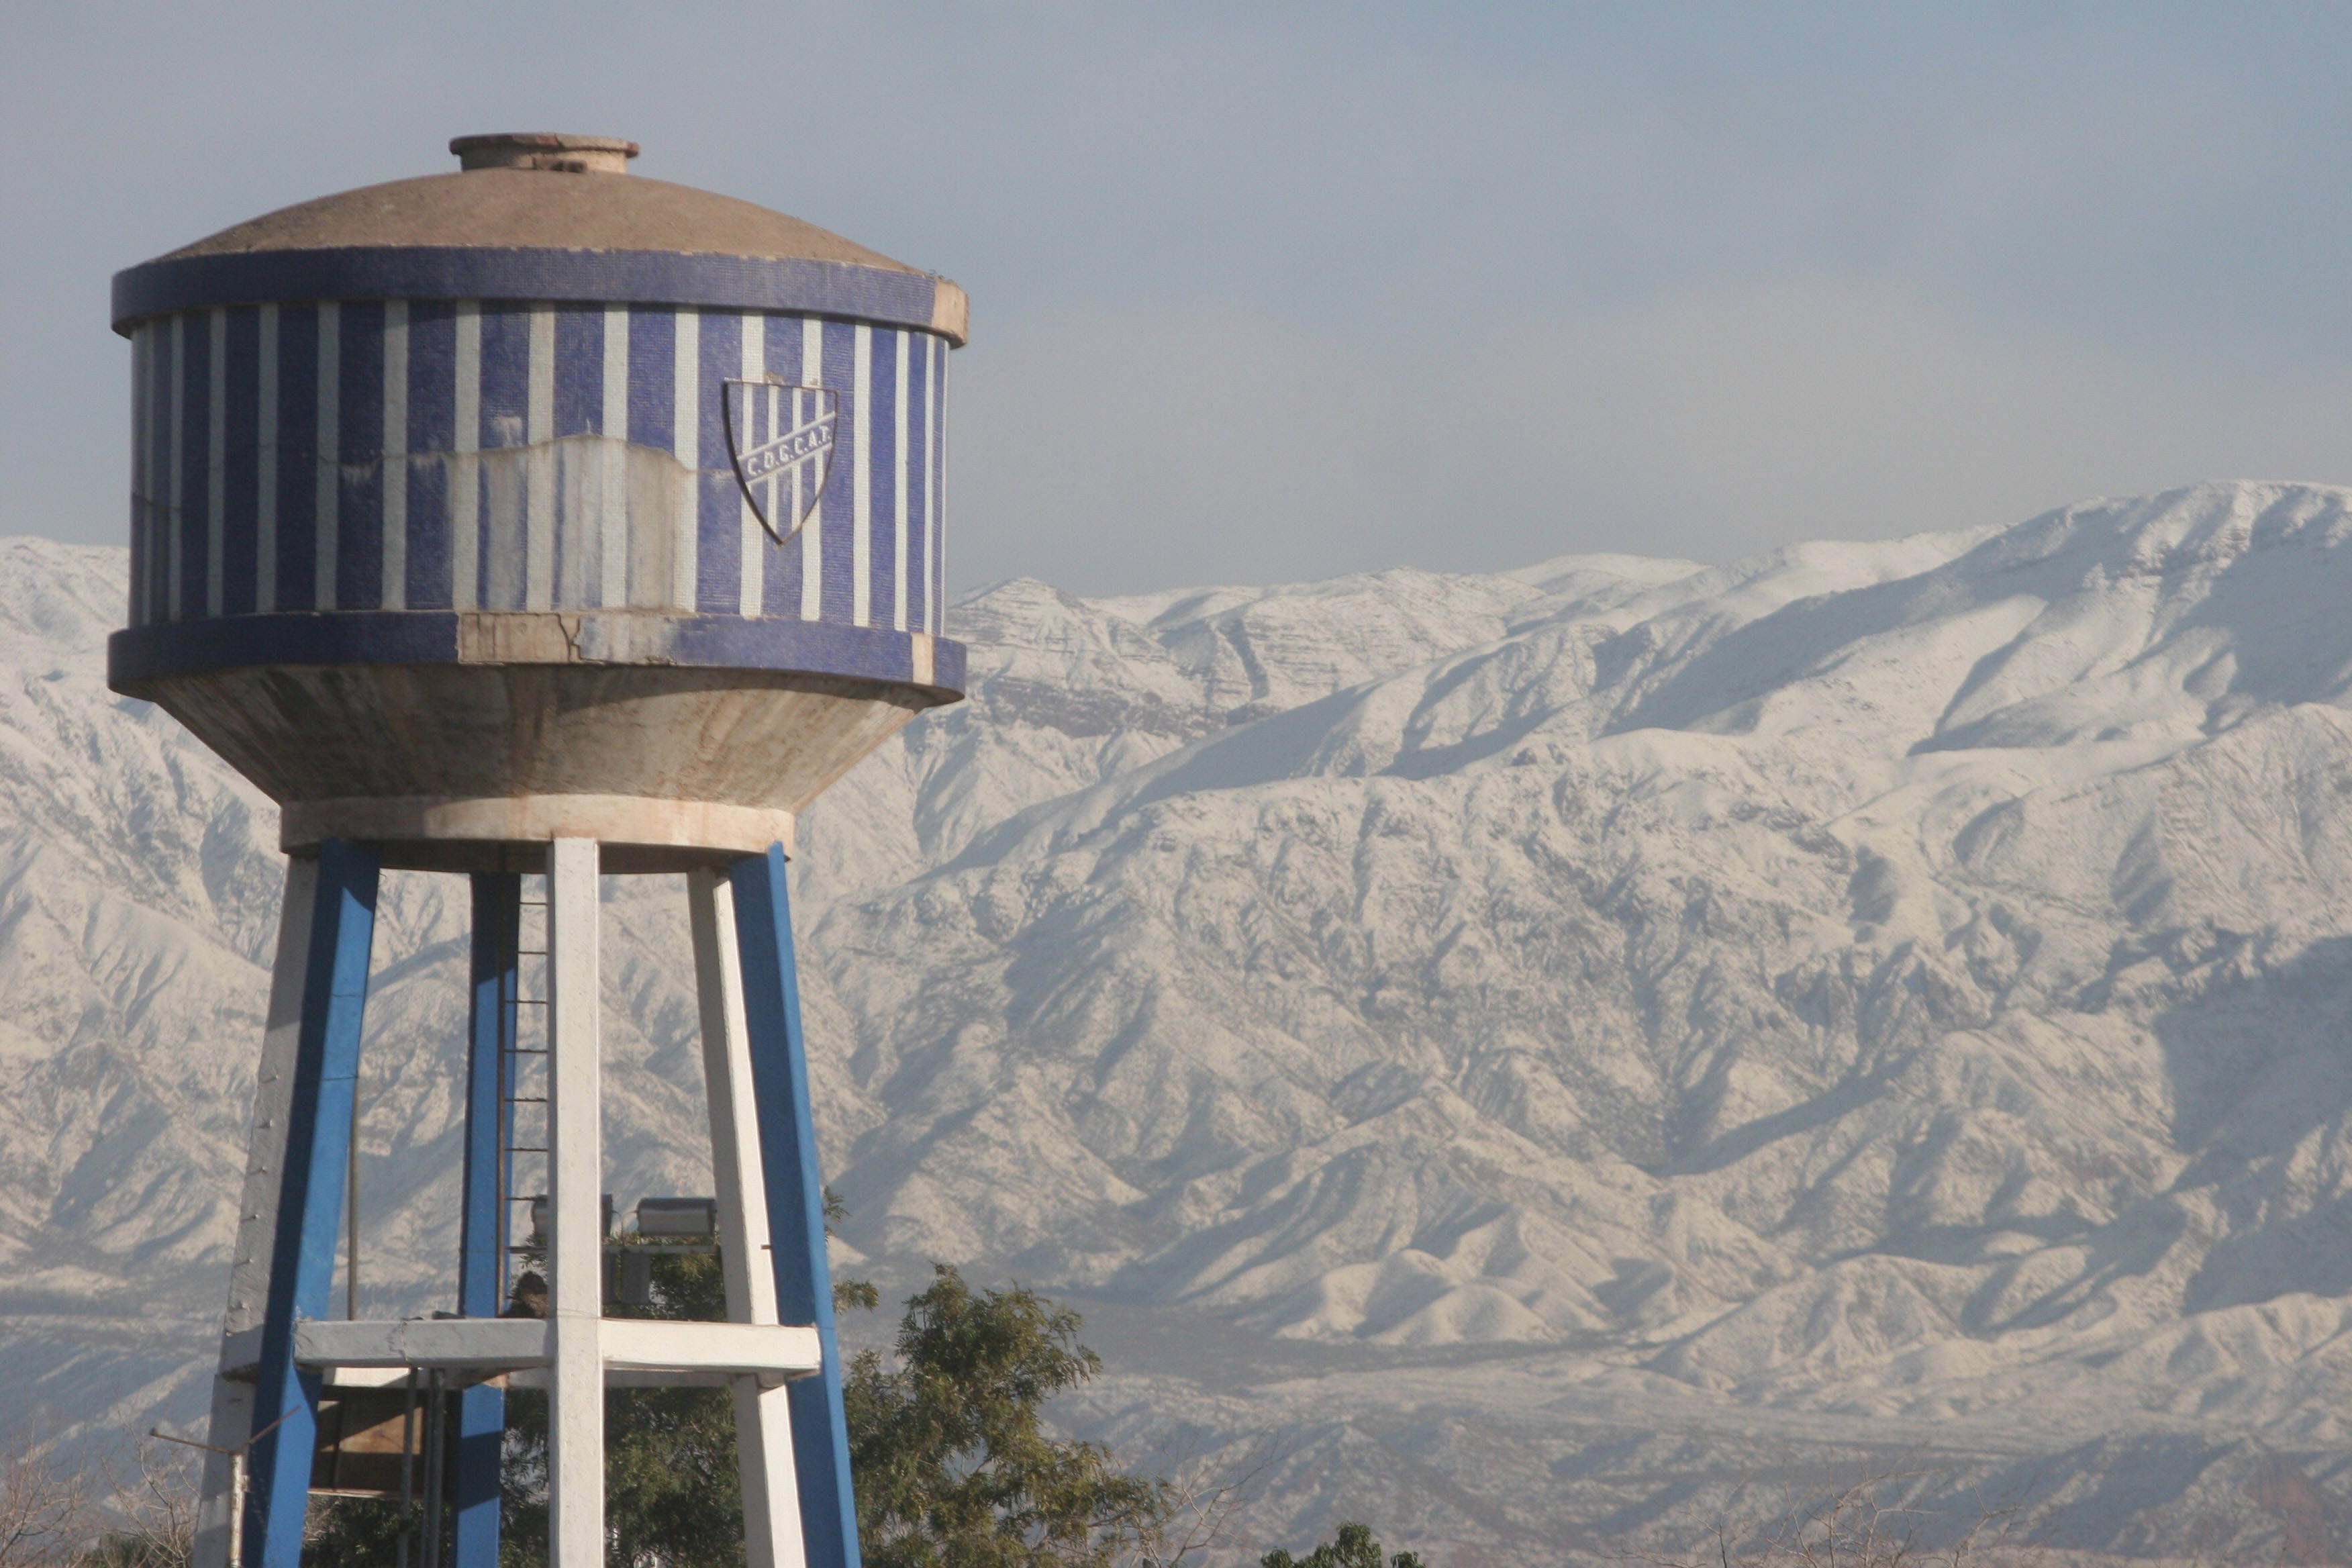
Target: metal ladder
[(522, 1116)]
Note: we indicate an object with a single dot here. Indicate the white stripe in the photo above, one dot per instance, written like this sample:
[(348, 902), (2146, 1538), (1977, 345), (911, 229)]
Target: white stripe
[(613, 512), (466, 472), (774, 484), (265, 499), (813, 536), (217, 464), (538, 496), (861, 478), (899, 491), (804, 409), (754, 585), (331, 449), (394, 596), (935, 562), (686, 444)]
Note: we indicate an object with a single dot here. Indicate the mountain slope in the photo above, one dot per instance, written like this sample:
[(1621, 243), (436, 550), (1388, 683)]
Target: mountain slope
[(1867, 995)]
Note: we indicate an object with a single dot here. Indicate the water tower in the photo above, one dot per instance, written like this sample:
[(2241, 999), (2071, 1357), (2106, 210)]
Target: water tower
[(535, 519)]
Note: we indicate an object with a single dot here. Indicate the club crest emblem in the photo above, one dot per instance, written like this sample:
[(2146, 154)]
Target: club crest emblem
[(782, 438)]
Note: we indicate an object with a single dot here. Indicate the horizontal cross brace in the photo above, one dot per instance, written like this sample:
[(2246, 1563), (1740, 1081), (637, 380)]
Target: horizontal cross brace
[(634, 1349)]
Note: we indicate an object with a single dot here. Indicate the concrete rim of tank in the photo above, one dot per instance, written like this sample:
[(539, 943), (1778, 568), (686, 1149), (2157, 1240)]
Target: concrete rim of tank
[(588, 638)]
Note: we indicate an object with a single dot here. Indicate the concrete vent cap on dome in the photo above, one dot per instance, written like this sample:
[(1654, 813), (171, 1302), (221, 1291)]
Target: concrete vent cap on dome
[(544, 150)]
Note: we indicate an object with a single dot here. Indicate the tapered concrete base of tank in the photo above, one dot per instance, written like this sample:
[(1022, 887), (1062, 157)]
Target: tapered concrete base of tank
[(451, 766), (414, 832)]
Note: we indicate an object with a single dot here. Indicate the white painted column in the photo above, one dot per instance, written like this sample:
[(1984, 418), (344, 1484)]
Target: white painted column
[(763, 1432), (575, 1415), (257, 1218)]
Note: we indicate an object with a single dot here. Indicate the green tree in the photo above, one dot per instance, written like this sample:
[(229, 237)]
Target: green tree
[(948, 1454), (948, 1449), (672, 1495), (1354, 1548)]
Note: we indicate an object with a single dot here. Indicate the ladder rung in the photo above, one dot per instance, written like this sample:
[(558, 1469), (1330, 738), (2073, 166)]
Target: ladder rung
[(523, 1149), (526, 1050), (526, 1099)]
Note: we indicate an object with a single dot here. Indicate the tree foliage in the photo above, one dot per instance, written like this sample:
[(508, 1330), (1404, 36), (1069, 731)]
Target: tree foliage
[(948, 1449), (949, 1453), (673, 1498), (950, 1458), (1352, 1548)]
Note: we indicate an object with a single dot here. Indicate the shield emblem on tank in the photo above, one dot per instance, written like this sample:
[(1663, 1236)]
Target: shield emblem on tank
[(782, 439)]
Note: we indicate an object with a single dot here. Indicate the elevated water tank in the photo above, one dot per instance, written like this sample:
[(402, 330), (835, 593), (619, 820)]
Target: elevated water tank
[(538, 500)]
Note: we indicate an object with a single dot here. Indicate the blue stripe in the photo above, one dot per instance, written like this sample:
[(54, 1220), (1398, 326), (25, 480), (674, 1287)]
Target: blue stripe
[(579, 370), (159, 451), (353, 636), (499, 538), (935, 570), (781, 563), (481, 1261), (719, 554), (311, 1194), (428, 584), (506, 376), (482, 1258), (836, 516), (142, 654), (159, 476), (139, 338), (653, 378), (432, 429), (457, 272), (298, 455), (882, 558), (196, 461), (359, 509), (432, 376), (240, 460), (577, 400), (734, 642), (919, 491), (481, 1439), (795, 1194)]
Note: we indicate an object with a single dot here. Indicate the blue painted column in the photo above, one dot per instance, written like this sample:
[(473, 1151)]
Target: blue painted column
[(481, 1267), (310, 1197), (795, 1191)]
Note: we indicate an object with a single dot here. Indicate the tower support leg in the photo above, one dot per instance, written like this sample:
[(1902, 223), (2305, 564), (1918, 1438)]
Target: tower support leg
[(321, 1104), (482, 1258), (575, 1404), (763, 1435), (256, 1225), (796, 1200)]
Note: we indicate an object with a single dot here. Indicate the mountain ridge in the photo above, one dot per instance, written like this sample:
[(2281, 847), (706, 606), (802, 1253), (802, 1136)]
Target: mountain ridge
[(1882, 989)]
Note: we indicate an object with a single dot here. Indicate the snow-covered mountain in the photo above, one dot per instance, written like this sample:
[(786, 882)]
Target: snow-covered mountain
[(1541, 1047)]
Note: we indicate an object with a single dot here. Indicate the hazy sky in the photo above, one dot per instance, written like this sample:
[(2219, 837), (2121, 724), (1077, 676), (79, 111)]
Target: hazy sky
[(1271, 291)]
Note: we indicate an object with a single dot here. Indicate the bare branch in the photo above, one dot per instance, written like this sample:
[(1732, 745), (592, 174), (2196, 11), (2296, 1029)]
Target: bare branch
[(45, 1509)]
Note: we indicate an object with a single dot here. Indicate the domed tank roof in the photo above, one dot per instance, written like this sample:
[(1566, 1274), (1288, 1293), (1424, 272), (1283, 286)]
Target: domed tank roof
[(555, 205)]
